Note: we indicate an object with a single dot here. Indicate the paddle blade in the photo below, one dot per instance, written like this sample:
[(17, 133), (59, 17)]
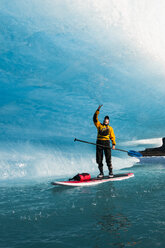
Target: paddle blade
[(134, 154)]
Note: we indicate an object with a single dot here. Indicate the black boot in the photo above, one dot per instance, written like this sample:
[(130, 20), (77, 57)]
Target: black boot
[(110, 172), (101, 175)]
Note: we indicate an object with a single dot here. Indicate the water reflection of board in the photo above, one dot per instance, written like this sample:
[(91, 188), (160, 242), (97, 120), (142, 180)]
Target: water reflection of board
[(94, 181)]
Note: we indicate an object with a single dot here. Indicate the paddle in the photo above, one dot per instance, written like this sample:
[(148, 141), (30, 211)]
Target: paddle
[(130, 153)]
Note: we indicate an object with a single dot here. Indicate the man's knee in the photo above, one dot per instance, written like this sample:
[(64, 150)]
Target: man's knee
[(99, 158)]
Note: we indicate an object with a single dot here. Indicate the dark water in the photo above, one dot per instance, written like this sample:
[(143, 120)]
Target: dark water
[(127, 213)]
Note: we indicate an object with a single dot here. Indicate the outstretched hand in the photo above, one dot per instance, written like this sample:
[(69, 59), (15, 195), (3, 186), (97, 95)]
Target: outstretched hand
[(113, 147), (100, 106)]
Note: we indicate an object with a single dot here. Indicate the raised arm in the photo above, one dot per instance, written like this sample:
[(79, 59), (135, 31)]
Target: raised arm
[(95, 117)]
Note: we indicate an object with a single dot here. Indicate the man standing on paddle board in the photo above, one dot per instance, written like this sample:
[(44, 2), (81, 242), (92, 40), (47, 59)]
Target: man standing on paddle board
[(105, 133)]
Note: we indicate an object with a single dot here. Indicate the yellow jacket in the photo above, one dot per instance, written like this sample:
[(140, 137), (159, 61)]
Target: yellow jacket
[(103, 132)]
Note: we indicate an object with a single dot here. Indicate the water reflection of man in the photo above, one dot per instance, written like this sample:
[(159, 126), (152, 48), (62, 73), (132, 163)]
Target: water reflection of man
[(105, 133)]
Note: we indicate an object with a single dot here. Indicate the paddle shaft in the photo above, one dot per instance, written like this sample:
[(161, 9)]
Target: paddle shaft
[(83, 141)]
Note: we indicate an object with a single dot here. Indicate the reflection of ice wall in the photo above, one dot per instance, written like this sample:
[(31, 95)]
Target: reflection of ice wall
[(60, 59)]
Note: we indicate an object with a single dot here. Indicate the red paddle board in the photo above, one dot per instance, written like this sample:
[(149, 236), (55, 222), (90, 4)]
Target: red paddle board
[(95, 181)]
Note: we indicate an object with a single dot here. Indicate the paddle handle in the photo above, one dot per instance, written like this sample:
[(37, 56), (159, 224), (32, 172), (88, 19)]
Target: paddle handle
[(83, 141)]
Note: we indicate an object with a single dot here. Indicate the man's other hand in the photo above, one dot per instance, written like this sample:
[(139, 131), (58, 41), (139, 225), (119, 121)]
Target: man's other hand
[(100, 106)]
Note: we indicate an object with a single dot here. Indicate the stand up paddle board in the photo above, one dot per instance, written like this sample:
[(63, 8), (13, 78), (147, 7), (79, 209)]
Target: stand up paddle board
[(94, 181)]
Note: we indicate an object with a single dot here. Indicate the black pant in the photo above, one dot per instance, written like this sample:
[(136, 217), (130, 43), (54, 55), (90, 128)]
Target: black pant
[(99, 154)]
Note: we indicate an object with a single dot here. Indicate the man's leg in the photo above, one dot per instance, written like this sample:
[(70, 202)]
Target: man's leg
[(99, 158), (107, 152)]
